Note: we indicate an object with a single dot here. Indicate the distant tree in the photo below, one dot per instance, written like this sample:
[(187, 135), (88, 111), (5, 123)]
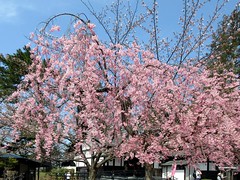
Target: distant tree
[(225, 47), (8, 163), (12, 70)]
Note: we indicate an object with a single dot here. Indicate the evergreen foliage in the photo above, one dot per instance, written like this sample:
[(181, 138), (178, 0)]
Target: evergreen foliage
[(226, 44), (12, 69)]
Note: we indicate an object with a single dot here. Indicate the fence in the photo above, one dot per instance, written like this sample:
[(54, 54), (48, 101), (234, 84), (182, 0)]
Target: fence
[(107, 175)]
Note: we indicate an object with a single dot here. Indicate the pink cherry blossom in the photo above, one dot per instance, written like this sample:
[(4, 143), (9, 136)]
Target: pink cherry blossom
[(123, 102)]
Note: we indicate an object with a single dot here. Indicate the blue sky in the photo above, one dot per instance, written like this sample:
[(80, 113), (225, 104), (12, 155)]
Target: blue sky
[(18, 18)]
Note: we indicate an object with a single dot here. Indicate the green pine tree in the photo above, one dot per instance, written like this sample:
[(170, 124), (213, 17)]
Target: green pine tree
[(225, 46), (12, 70)]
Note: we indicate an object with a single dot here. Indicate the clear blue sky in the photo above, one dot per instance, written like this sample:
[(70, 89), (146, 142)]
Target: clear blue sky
[(20, 17)]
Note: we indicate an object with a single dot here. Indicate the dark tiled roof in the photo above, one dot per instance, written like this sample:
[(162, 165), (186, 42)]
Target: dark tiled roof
[(15, 156)]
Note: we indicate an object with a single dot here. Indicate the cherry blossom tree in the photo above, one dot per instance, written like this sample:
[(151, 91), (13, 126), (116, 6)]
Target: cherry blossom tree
[(114, 101), (13, 67), (68, 95), (121, 100), (190, 115), (186, 46), (123, 22), (77, 91)]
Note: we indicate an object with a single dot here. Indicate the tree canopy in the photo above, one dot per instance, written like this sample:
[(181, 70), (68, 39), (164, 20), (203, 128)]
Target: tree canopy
[(101, 100), (122, 101), (225, 48), (12, 70)]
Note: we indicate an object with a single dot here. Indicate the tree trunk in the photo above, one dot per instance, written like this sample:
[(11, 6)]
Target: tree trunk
[(148, 171), (92, 173)]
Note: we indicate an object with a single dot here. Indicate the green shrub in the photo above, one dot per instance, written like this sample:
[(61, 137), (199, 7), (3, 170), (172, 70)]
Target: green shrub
[(60, 171), (8, 163)]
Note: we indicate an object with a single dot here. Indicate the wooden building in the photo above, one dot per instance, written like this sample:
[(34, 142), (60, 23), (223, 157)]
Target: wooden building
[(24, 169)]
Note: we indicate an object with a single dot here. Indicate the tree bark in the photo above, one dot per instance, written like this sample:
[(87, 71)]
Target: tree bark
[(92, 173), (148, 171)]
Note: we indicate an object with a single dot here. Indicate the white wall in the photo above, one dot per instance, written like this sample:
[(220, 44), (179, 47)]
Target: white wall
[(179, 174), (166, 173)]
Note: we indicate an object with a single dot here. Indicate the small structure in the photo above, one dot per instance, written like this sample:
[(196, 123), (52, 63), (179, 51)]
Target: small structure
[(25, 168), (185, 171), (230, 173)]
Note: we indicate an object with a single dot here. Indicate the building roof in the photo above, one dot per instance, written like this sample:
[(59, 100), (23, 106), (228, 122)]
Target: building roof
[(9, 155), (15, 156)]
